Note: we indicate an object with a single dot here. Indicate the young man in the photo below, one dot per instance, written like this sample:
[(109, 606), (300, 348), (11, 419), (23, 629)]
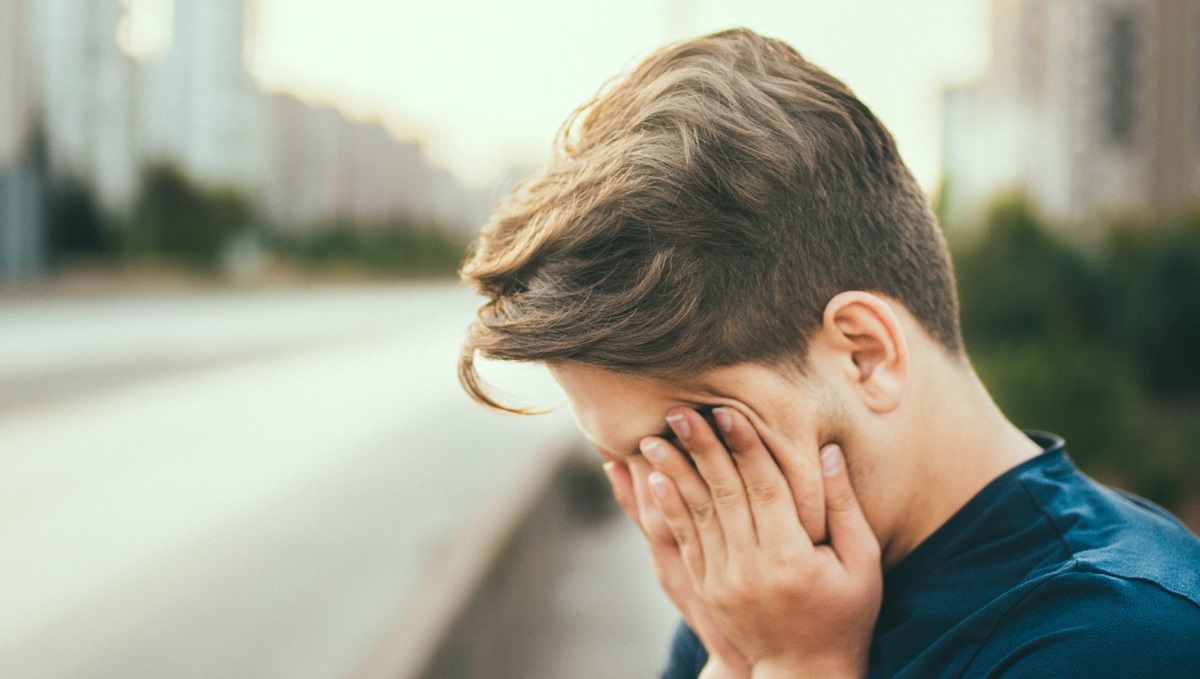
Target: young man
[(746, 298)]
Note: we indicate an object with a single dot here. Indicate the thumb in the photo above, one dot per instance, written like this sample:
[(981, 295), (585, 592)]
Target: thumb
[(849, 533)]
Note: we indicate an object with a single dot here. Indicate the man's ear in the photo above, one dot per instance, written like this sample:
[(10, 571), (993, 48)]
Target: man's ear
[(866, 336)]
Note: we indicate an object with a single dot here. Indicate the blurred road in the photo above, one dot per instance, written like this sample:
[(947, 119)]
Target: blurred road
[(55, 348), (249, 484)]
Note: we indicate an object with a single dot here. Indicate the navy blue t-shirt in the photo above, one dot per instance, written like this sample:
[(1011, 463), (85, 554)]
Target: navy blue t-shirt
[(1044, 573)]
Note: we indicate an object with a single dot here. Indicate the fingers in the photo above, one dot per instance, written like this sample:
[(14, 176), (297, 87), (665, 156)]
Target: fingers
[(695, 498), (645, 515), (664, 551), (803, 475), (649, 514), (679, 520), (849, 533), (770, 499), (725, 495)]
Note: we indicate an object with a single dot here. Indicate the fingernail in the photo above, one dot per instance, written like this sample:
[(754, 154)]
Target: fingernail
[(659, 483), (831, 462), (724, 419), (653, 450), (608, 470), (680, 425)]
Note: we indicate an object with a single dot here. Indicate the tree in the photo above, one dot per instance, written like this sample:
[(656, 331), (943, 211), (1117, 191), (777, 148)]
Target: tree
[(180, 220)]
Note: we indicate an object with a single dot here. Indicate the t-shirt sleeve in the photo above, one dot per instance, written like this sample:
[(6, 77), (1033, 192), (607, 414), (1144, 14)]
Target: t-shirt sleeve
[(687, 657), (1094, 626)]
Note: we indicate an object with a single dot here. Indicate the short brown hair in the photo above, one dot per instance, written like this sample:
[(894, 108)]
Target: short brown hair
[(701, 212)]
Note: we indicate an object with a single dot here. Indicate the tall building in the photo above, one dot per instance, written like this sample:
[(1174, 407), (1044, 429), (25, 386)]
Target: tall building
[(1091, 110), (86, 85), (110, 100), (202, 109), (324, 168), (22, 241), (304, 175)]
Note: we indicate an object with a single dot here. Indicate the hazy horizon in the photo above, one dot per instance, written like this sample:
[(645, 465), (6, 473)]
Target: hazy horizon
[(484, 87)]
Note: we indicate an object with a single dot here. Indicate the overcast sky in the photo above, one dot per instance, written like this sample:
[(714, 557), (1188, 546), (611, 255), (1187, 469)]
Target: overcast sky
[(485, 85)]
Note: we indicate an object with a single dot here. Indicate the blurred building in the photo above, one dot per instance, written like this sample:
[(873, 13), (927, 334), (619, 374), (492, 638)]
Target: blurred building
[(22, 237), (302, 188), (1091, 110), (325, 168), (376, 171), (455, 206), (201, 109), (74, 75), (86, 95)]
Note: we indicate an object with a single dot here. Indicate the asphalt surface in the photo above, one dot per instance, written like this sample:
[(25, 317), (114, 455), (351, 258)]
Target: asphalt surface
[(274, 484)]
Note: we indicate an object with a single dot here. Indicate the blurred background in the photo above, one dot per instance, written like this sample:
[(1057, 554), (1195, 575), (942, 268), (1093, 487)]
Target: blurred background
[(231, 440)]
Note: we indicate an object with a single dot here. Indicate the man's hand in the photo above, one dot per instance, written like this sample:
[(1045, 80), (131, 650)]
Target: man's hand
[(632, 490), (792, 608)]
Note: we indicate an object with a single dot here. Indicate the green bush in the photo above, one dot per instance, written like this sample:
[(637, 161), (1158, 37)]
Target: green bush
[(1081, 392), (1101, 347), (1021, 284), (177, 219), (1155, 308), (75, 225), (395, 249)]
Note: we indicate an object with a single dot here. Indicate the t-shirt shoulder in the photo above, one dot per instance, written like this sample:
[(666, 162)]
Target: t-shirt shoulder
[(1083, 623), (1108, 531)]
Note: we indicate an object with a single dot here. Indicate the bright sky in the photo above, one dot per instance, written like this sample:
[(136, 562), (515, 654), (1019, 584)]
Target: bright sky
[(485, 84)]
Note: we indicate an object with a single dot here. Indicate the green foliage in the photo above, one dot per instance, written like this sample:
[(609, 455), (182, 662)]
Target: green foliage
[(1020, 284), (1156, 304), (395, 249), (1076, 390), (179, 220), (75, 225), (1102, 348)]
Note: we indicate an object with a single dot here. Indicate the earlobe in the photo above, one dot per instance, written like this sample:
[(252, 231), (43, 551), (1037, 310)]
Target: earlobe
[(865, 330)]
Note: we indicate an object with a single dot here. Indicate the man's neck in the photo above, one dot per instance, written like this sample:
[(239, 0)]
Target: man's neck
[(962, 443)]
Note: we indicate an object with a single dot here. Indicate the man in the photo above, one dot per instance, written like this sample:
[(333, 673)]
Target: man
[(747, 300)]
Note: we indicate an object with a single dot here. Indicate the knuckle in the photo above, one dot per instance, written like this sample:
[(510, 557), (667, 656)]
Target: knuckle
[(735, 588), (683, 539), (742, 587), (840, 499), (790, 588), (784, 562), (657, 529), (723, 598), (662, 535), (702, 512), (726, 495), (793, 584), (763, 491)]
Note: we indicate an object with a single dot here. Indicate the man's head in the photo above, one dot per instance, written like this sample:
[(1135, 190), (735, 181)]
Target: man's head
[(699, 217), (701, 212)]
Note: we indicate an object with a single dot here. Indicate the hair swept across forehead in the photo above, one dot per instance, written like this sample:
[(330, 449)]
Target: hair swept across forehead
[(700, 212)]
